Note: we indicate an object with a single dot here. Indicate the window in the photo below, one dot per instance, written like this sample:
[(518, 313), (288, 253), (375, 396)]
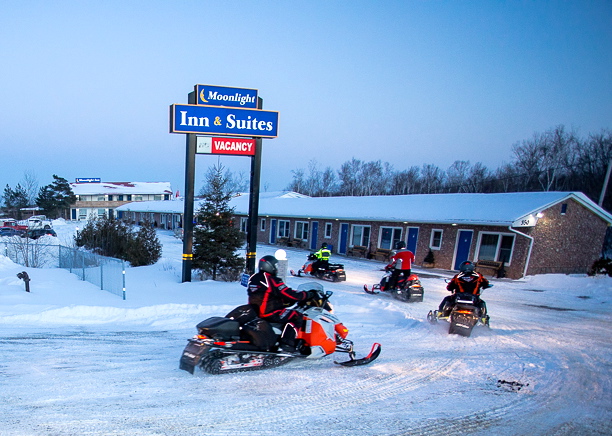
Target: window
[(262, 225), (120, 197), (129, 197), (435, 243), (101, 213), (166, 197), (328, 230), (563, 208), (137, 197), (244, 224), (283, 229), (389, 236), (360, 235), (157, 197), (101, 197), (301, 230), (496, 246), (110, 198)]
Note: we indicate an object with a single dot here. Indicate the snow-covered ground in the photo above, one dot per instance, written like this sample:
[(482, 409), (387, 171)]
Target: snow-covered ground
[(77, 360)]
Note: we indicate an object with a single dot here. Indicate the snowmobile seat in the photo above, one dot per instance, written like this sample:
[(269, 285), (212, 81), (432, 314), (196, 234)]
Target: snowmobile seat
[(243, 314), (220, 328)]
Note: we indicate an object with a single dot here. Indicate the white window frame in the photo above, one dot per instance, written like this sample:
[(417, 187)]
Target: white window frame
[(244, 224), (262, 225), (328, 230), (431, 239), (285, 225), (367, 244), (498, 248), (302, 227), (393, 229)]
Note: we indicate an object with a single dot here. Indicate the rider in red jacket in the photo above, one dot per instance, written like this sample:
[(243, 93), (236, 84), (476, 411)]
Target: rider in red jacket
[(401, 263)]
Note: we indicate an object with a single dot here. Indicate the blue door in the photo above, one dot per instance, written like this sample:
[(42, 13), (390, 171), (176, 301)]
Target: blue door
[(272, 231), (413, 237), (313, 235), (343, 238), (464, 242)]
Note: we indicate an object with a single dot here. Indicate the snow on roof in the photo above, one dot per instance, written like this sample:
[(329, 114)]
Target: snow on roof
[(484, 209), (115, 188)]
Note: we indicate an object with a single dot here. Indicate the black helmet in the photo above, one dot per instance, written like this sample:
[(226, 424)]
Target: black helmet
[(324, 245), (466, 267), (268, 264), (399, 245)]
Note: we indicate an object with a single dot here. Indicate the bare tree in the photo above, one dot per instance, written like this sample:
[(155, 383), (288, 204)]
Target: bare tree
[(30, 184)]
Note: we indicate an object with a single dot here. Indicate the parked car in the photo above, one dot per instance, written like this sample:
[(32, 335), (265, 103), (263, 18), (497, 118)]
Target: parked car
[(37, 233), (12, 223), (10, 231), (39, 222)]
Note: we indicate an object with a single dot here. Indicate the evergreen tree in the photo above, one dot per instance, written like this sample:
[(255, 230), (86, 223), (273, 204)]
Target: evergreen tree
[(56, 198), (15, 200), (216, 239), (145, 249)]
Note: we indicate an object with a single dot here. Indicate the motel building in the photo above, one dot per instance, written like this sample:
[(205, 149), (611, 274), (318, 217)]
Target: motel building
[(523, 233), (96, 199)]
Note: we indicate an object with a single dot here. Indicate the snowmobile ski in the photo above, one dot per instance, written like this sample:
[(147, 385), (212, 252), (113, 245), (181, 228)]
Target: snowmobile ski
[(372, 291), (374, 353)]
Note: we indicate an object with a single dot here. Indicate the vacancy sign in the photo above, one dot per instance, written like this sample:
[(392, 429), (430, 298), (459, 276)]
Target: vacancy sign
[(235, 146)]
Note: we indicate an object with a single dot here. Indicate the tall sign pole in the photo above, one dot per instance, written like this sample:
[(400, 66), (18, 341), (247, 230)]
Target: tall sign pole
[(188, 201), (254, 202)]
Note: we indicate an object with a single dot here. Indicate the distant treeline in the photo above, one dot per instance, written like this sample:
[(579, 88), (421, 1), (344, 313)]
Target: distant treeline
[(556, 160)]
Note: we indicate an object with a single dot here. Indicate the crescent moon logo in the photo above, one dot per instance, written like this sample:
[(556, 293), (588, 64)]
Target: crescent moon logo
[(202, 96)]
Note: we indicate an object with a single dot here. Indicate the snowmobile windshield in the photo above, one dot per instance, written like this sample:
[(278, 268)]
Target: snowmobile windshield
[(310, 286)]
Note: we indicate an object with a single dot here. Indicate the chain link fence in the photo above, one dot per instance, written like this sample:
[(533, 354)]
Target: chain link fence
[(106, 272)]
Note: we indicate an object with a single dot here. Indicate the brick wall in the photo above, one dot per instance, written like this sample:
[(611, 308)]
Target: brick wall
[(566, 243)]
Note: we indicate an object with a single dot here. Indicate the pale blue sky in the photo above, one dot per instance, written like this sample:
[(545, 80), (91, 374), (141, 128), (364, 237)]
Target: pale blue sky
[(86, 85)]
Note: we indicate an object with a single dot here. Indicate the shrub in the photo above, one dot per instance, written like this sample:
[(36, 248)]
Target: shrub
[(602, 265), (114, 238)]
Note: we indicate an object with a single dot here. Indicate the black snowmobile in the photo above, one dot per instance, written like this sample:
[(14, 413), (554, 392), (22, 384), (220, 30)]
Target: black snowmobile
[(408, 289), (463, 316), (241, 341), (333, 273)]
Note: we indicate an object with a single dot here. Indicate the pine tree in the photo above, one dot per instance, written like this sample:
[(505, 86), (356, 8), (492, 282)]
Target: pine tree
[(15, 200), (216, 239), (55, 199), (145, 249)]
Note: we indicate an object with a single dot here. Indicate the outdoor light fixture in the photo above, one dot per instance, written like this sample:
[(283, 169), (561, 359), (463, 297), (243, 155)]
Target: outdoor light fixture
[(539, 215)]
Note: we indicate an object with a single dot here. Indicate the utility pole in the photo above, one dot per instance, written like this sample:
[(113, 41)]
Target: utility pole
[(605, 184)]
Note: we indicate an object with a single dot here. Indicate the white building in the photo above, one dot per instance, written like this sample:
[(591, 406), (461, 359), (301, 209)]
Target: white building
[(98, 199)]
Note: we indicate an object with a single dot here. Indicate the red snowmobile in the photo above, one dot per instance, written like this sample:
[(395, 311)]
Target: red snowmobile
[(408, 289), (463, 316), (333, 273), (241, 341)]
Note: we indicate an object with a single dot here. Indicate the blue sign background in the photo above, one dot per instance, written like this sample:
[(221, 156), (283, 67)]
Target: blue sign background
[(210, 95), (219, 120)]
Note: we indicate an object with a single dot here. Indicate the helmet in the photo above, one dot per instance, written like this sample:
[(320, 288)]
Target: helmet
[(324, 245), (466, 267), (268, 264), (399, 245)]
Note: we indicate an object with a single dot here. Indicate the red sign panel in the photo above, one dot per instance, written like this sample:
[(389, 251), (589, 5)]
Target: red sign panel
[(237, 146)]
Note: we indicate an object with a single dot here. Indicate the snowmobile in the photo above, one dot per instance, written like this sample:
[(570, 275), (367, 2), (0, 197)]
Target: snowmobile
[(463, 316), (241, 341), (408, 289), (333, 273)]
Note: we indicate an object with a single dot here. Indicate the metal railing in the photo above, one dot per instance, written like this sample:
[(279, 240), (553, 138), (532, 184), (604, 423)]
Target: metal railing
[(106, 272)]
